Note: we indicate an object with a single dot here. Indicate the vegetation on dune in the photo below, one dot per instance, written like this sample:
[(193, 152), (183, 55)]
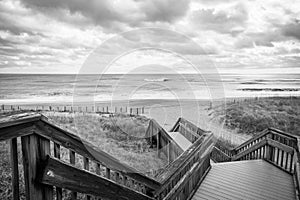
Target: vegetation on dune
[(121, 136), (251, 116)]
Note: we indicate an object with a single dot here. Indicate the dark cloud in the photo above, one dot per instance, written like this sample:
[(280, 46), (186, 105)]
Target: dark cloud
[(232, 21), (107, 14), (292, 30), (167, 10)]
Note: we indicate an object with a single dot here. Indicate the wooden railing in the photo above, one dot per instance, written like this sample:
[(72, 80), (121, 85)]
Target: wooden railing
[(37, 135), (183, 176), (158, 138), (99, 174), (275, 146), (74, 108), (187, 129)]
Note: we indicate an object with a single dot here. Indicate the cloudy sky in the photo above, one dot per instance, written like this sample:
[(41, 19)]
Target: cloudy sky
[(57, 36)]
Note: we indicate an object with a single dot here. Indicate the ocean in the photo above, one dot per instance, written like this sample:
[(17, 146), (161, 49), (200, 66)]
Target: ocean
[(54, 88)]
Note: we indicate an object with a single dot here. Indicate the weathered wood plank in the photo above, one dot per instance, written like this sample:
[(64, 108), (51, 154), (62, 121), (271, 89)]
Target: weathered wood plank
[(15, 169), (32, 156), (17, 119), (15, 131), (61, 174), (86, 166), (178, 168), (72, 162), (250, 149), (57, 155), (280, 146), (257, 136), (188, 178), (44, 151)]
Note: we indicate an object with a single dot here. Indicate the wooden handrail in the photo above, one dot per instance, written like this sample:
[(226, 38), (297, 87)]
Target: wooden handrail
[(257, 136), (262, 143), (188, 129), (264, 133), (217, 155), (60, 174), (174, 172), (82, 147)]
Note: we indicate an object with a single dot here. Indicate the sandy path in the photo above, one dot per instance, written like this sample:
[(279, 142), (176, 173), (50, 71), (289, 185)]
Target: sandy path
[(197, 113)]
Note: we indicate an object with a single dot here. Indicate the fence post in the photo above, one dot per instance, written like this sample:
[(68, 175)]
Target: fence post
[(107, 109), (2, 106)]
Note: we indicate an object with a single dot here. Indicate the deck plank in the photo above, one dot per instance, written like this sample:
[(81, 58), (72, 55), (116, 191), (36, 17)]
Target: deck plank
[(253, 179), (183, 143)]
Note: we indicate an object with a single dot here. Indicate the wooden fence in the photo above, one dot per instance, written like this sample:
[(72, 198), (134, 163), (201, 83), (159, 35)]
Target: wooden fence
[(90, 109)]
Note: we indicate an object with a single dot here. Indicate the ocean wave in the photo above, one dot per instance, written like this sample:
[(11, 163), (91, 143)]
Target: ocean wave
[(271, 89), (156, 80)]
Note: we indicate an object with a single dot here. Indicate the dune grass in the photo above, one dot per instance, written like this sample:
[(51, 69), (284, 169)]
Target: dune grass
[(121, 136), (251, 116)]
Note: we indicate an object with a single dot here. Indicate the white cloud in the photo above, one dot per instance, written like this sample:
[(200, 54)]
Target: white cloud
[(57, 36)]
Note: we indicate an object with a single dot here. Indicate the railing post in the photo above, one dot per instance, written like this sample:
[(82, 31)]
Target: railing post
[(34, 150), (57, 155), (15, 170), (72, 161)]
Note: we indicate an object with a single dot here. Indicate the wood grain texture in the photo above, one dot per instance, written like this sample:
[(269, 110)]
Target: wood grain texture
[(15, 168), (61, 174), (34, 150), (251, 180), (57, 155)]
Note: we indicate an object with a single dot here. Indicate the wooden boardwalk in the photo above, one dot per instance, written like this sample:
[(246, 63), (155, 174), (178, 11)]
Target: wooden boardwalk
[(244, 172), (183, 143), (252, 179)]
